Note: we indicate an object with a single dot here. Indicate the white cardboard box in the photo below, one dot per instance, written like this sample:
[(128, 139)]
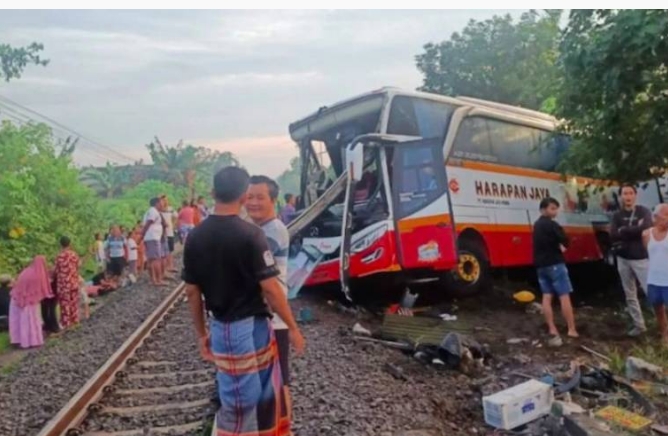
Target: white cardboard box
[(518, 405)]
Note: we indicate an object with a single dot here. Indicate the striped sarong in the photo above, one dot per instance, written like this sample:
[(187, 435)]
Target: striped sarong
[(250, 386)]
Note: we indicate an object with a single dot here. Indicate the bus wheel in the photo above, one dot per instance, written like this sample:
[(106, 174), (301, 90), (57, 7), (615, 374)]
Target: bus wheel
[(471, 275)]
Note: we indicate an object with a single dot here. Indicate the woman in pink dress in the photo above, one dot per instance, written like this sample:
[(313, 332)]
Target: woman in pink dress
[(31, 287)]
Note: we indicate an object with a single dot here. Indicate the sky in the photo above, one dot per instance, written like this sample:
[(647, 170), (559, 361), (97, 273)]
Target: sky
[(227, 80)]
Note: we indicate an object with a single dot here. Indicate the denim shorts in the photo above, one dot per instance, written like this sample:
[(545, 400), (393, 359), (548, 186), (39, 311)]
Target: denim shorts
[(657, 295), (554, 280)]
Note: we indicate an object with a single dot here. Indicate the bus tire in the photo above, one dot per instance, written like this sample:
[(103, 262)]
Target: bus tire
[(472, 275)]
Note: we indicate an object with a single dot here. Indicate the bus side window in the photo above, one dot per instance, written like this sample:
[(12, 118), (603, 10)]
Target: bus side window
[(472, 141), (550, 147), (513, 144)]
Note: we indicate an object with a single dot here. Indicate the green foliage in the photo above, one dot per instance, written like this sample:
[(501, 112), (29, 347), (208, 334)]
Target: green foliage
[(497, 59), (289, 179), (41, 198), (14, 59), (186, 165), (107, 181), (130, 207), (614, 92)]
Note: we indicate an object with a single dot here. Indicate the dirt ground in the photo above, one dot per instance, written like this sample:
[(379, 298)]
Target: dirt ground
[(341, 386)]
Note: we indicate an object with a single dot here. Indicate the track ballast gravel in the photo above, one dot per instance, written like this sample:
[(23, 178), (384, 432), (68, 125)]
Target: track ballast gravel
[(46, 378)]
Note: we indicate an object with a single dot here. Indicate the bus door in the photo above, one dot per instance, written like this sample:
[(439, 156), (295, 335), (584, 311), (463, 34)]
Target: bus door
[(354, 159), (421, 206)]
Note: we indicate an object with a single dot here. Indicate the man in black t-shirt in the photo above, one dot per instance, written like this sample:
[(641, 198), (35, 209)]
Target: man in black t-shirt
[(549, 244), (227, 260)]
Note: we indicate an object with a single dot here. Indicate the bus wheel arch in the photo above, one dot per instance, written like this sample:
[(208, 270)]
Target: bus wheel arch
[(472, 273)]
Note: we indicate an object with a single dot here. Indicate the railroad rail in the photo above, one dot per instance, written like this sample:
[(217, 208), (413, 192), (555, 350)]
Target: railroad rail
[(153, 384)]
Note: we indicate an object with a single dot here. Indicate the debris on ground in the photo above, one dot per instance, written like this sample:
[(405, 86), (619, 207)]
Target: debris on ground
[(463, 353), (584, 425), (534, 309), (518, 405), (305, 315), (623, 418), (596, 353), (661, 429), (517, 341), (524, 297), (639, 369), (361, 331), (447, 317), (409, 299), (395, 371), (419, 329), (565, 408)]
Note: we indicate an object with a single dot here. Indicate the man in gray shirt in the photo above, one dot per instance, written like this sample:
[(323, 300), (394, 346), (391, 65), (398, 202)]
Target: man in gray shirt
[(626, 231)]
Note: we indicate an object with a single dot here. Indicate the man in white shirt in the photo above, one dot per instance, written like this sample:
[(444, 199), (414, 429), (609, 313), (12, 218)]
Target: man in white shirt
[(169, 216), (152, 235)]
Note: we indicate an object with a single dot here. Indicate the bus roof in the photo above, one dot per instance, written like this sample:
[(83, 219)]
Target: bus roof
[(373, 101)]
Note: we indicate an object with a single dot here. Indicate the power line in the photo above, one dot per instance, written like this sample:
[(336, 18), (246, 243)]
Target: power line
[(117, 155)]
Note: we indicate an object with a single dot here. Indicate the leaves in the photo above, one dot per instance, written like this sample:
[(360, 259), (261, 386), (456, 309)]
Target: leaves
[(41, 198), (14, 59), (497, 59), (613, 93)]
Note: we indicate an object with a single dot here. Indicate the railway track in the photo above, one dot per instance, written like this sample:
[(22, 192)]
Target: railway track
[(155, 384)]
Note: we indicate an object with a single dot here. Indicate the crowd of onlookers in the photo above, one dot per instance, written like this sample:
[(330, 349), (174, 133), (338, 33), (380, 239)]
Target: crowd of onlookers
[(48, 299)]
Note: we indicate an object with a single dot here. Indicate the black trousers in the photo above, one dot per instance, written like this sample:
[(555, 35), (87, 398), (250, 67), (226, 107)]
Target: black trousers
[(49, 315)]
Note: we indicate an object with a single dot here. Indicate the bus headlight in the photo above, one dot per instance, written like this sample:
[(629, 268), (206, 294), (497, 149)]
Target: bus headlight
[(368, 240)]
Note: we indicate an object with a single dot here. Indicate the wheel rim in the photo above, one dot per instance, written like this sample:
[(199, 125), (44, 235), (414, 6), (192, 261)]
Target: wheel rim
[(468, 268)]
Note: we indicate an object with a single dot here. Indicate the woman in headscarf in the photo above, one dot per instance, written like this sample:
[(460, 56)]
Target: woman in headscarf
[(67, 282), (31, 287)]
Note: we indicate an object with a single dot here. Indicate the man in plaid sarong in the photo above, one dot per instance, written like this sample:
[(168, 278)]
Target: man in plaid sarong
[(228, 261)]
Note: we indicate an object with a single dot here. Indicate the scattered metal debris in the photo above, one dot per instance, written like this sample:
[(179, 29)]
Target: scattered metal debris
[(361, 331), (596, 353)]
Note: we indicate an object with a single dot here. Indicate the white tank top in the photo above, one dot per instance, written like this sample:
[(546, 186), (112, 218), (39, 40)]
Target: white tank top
[(658, 260)]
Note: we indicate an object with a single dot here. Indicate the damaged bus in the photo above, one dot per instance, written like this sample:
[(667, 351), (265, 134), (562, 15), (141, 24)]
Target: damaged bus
[(426, 187)]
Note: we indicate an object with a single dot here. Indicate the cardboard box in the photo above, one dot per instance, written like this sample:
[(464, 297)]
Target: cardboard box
[(518, 405)]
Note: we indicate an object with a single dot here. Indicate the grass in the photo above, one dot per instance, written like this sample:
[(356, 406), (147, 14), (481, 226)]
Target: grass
[(4, 342), (647, 351), (207, 428), (9, 368)]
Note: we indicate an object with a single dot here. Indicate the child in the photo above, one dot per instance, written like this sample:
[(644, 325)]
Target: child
[(132, 258), (549, 244)]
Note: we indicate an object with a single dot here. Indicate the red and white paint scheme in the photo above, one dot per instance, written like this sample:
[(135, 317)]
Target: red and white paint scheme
[(448, 185)]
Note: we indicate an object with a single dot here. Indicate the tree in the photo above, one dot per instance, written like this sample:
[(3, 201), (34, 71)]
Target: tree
[(289, 180), (107, 181), (497, 59), (182, 164), (14, 60), (614, 93), (41, 197)]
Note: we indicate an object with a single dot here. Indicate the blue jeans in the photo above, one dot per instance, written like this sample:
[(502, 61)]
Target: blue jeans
[(554, 280)]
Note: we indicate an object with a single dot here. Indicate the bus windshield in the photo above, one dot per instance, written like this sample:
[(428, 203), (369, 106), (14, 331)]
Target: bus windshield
[(414, 116)]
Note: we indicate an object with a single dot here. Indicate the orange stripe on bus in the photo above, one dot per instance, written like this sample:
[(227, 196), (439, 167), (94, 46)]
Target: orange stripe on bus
[(526, 172), (408, 224)]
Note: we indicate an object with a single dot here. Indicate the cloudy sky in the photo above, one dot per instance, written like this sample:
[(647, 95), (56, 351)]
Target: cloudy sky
[(229, 80)]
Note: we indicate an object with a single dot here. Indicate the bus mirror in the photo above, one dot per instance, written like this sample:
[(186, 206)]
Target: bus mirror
[(355, 160)]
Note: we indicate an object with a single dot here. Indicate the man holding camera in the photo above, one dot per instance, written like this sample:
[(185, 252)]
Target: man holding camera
[(626, 229)]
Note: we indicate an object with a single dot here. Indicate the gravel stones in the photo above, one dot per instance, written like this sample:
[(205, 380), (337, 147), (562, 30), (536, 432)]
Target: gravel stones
[(46, 378)]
